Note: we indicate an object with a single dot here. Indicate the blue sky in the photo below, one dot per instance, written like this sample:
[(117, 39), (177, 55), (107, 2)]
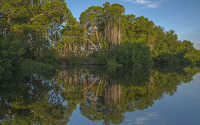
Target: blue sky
[(180, 15)]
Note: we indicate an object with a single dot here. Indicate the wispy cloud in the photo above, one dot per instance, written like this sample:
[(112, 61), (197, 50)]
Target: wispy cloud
[(147, 3), (147, 118)]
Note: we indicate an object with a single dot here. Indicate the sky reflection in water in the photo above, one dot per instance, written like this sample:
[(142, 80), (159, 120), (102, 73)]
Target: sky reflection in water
[(95, 96)]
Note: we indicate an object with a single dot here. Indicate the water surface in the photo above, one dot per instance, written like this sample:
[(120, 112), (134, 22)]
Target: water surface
[(89, 96)]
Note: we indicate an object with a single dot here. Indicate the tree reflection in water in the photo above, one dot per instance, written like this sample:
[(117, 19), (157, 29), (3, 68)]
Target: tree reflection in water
[(43, 98)]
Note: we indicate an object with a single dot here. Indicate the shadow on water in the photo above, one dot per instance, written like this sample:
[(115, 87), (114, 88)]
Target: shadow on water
[(51, 97)]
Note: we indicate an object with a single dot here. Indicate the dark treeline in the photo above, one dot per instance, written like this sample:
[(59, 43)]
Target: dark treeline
[(53, 97), (34, 33)]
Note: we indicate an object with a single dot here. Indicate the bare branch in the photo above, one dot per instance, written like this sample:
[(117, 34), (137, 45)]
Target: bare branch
[(90, 42), (90, 84), (98, 39), (37, 16)]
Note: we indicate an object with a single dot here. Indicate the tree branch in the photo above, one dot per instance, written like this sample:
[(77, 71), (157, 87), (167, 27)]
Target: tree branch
[(37, 16), (90, 42), (98, 39), (90, 84)]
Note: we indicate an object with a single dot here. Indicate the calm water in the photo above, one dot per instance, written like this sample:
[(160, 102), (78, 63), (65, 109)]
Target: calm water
[(95, 96)]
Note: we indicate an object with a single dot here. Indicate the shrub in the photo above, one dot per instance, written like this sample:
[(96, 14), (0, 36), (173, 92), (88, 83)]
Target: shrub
[(135, 55)]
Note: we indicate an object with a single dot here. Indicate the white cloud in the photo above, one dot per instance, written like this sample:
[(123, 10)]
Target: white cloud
[(153, 5), (145, 118), (147, 3), (141, 1)]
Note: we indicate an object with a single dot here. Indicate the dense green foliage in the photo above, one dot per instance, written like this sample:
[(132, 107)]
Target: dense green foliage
[(11, 53), (168, 50), (28, 30), (37, 33), (132, 55), (103, 30)]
